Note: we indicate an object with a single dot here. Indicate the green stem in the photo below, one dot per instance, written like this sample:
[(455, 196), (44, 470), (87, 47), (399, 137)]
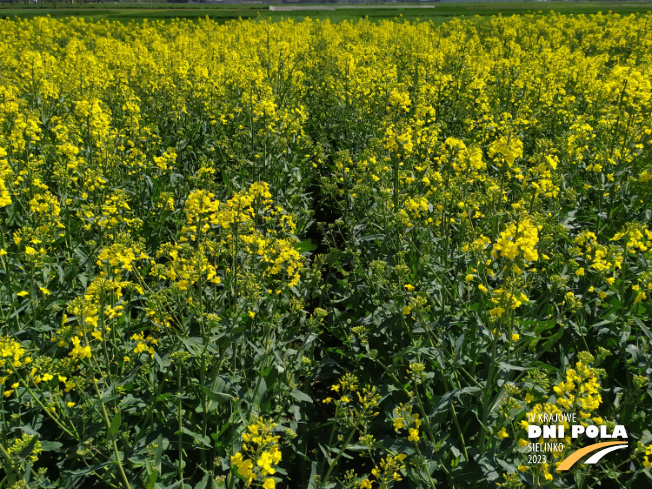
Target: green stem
[(425, 467), (180, 436), (333, 464), (460, 432), (47, 410), (105, 415), (488, 385), (114, 443), (10, 463)]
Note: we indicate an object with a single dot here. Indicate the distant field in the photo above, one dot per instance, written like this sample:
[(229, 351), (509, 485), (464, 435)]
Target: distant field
[(440, 12)]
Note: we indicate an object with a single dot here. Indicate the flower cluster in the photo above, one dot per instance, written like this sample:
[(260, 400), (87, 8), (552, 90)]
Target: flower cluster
[(260, 453), (386, 472), (355, 405), (405, 418), (519, 239)]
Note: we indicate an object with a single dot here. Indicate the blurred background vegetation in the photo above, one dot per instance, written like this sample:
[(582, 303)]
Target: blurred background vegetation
[(428, 11)]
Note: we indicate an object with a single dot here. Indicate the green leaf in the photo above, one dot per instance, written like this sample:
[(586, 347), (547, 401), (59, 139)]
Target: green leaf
[(447, 398), (91, 469), (199, 439), (509, 366), (115, 426), (552, 340), (301, 396), (203, 483), (51, 446), (304, 246), (151, 479), (323, 450), (193, 344), (257, 396), (313, 472), (218, 397), (489, 470), (643, 328), (24, 453)]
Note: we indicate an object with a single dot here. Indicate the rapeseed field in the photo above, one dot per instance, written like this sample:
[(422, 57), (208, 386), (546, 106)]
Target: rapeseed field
[(308, 255)]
